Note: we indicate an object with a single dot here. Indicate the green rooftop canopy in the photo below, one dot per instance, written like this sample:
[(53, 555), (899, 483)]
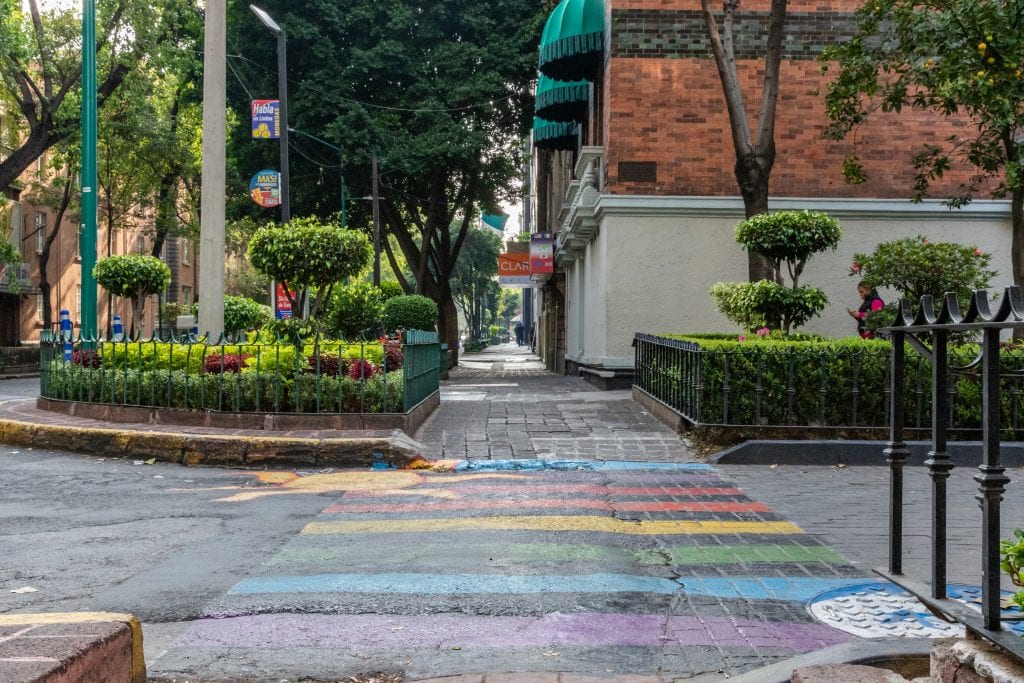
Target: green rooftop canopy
[(561, 100), (555, 134), (572, 43)]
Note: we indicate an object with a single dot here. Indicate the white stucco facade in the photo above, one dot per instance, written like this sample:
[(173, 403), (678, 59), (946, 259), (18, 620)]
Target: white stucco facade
[(648, 264)]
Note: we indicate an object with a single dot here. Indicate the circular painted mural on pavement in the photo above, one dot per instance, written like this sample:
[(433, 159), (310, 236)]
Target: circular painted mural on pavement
[(884, 610)]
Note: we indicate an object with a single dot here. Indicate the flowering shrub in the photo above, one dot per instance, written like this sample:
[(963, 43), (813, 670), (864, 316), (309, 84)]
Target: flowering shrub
[(229, 362), (393, 353), (361, 369), (914, 266), (87, 358), (331, 366)]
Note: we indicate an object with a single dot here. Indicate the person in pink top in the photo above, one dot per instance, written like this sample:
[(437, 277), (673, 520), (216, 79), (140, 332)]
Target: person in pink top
[(872, 302)]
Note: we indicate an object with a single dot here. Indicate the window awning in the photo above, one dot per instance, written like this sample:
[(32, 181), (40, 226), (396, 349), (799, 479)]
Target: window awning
[(572, 43), (555, 135), (562, 100)]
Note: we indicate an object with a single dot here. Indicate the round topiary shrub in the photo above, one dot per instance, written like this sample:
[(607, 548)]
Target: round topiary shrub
[(354, 310), (244, 314), (410, 312)]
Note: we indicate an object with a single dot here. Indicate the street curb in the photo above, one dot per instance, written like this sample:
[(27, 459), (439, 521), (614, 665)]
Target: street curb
[(854, 452), (97, 658), (886, 653), (217, 450)]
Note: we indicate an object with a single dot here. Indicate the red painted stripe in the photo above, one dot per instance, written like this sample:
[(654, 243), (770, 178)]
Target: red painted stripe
[(567, 489), (501, 503)]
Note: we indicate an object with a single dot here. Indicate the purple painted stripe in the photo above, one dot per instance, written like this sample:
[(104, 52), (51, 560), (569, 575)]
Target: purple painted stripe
[(562, 630)]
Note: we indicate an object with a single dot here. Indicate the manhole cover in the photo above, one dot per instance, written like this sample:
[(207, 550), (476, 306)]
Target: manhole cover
[(884, 610)]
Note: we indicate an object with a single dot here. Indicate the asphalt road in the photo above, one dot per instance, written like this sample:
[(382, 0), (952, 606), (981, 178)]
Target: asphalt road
[(666, 570)]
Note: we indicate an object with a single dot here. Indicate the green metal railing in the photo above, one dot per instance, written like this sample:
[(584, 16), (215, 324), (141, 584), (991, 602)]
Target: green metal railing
[(259, 374), (420, 368)]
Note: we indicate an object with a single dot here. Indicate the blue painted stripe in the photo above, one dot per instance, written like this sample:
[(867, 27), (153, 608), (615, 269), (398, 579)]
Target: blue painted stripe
[(577, 465), (769, 587)]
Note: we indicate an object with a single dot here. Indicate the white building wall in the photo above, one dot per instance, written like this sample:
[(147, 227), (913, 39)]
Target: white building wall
[(652, 262)]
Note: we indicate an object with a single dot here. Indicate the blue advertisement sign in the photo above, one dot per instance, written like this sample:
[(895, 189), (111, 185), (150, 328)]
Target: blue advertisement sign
[(265, 188), (266, 119)]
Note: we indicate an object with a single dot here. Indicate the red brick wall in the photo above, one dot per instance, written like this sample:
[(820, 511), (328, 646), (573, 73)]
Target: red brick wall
[(672, 111)]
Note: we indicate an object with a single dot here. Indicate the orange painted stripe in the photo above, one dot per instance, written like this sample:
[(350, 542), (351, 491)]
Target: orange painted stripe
[(548, 504)]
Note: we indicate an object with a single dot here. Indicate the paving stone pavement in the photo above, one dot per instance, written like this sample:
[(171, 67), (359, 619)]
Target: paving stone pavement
[(848, 509), (502, 404)]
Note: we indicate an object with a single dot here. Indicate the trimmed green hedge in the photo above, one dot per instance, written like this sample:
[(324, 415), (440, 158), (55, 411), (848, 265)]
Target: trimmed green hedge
[(833, 383)]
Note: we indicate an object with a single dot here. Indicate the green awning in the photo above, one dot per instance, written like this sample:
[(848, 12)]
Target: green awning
[(555, 134), (572, 43), (561, 100)]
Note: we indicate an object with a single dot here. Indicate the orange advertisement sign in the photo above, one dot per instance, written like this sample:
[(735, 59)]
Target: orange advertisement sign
[(514, 269)]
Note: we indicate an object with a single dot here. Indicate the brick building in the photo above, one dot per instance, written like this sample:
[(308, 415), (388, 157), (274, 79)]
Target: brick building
[(634, 172)]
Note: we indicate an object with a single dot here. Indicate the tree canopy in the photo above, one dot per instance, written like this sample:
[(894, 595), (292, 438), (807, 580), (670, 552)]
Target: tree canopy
[(956, 58), (442, 94)]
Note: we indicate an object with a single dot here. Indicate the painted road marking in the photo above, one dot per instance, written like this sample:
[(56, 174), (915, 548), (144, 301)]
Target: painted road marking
[(553, 523), (377, 632), (549, 503), (563, 552), (565, 489), (578, 465), (800, 589)]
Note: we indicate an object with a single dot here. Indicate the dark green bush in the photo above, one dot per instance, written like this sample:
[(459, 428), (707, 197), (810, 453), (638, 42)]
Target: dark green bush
[(410, 312), (834, 383), (244, 314), (355, 311)]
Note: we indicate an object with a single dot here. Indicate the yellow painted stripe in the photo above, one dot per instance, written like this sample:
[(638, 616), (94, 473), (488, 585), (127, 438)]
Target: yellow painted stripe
[(552, 523), (45, 618)]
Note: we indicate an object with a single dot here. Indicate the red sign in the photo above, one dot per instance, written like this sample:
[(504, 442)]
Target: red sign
[(283, 306)]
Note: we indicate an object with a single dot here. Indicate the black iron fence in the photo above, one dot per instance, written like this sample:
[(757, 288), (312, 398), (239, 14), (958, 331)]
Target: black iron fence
[(928, 333), (18, 358), (841, 384), (262, 374)]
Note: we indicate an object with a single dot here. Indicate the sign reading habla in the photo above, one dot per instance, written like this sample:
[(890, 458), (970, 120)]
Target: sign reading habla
[(266, 119)]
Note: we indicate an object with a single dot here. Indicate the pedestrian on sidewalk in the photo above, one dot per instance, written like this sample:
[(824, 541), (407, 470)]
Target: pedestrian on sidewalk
[(871, 303), (519, 333)]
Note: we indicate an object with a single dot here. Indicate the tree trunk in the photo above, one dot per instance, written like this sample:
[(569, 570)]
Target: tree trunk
[(752, 173), (1017, 244), (44, 258), (448, 325)]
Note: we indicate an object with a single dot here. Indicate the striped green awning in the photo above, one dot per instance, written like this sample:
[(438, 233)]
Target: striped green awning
[(561, 100), (555, 134), (572, 44)]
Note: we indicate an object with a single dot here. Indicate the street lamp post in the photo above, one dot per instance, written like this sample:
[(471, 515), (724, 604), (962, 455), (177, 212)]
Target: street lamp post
[(211, 215), (88, 315)]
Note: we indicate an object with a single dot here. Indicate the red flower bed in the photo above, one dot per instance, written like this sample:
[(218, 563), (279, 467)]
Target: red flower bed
[(229, 362)]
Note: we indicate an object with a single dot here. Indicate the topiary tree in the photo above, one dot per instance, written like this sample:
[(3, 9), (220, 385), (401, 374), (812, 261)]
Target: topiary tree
[(242, 314), (915, 266), (411, 312), (787, 240), (389, 289), (134, 277), (354, 309), (305, 253)]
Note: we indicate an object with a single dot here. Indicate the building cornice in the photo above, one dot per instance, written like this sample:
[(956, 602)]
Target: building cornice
[(732, 207)]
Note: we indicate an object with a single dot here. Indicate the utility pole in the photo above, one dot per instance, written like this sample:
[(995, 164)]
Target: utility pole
[(211, 219), (88, 314), (376, 224)]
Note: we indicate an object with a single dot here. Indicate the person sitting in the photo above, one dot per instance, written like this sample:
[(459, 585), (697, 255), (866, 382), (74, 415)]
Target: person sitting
[(871, 302)]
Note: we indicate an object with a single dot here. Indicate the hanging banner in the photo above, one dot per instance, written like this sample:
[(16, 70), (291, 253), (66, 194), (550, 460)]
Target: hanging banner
[(265, 189), (266, 119), (514, 270), (495, 222), (283, 306), (542, 254)]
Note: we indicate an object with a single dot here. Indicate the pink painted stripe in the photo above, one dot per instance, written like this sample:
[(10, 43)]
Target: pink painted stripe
[(269, 631), (549, 504), (570, 488)]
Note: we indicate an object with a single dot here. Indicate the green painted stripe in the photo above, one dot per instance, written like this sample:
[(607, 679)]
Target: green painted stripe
[(559, 552)]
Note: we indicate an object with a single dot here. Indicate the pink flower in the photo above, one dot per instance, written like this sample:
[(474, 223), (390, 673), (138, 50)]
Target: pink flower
[(977, 252), (763, 332), (855, 267), (925, 242), (742, 338)]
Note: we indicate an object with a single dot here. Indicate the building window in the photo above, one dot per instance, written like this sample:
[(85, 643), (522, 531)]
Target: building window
[(41, 166), (186, 296), (78, 243), (78, 303), (40, 232), (140, 244), (184, 246), (40, 308)]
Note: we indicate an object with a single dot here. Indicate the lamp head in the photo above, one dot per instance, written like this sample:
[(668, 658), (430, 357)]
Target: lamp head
[(266, 19)]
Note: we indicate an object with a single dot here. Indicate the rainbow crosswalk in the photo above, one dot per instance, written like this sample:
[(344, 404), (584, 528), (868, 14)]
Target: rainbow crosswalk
[(632, 569)]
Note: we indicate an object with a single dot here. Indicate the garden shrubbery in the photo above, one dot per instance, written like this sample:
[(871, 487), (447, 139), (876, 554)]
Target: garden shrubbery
[(830, 382)]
